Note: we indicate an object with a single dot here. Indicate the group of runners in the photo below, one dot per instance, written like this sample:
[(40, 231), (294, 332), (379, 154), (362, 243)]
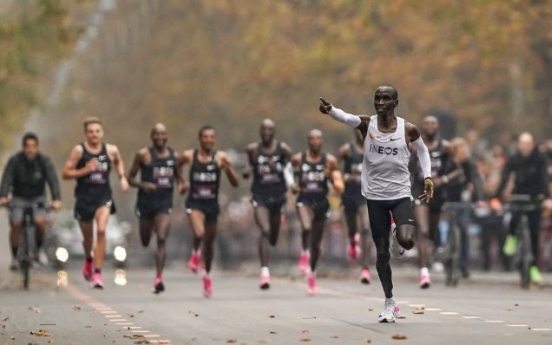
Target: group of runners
[(394, 179)]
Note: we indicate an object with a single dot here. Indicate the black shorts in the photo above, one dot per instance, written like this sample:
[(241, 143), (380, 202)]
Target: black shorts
[(85, 210), (380, 215), (149, 213), (210, 209), (320, 207), (274, 205), (352, 203)]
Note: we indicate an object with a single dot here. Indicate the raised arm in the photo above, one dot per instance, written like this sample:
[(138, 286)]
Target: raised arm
[(70, 170), (413, 136), (119, 166), (359, 122), (335, 175), (226, 165)]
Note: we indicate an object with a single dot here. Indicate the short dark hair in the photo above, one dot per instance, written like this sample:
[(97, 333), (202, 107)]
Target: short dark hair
[(29, 136), (395, 93), (90, 120), (203, 129)]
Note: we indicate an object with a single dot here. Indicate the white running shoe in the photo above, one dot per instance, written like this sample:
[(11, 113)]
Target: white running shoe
[(390, 311), (396, 250)]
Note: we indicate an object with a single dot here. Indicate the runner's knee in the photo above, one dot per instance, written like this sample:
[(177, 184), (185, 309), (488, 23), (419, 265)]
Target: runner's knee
[(405, 235)]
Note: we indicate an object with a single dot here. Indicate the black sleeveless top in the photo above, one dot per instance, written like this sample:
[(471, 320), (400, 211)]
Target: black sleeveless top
[(94, 186), (268, 182), (204, 180), (312, 178), (352, 166), (160, 171), (440, 163)]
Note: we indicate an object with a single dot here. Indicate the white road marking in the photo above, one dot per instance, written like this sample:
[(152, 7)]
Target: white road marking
[(518, 326), (494, 321), (448, 313), (472, 317), (134, 327), (124, 323), (541, 329), (140, 331), (108, 312), (433, 309), (152, 335), (117, 320), (112, 316)]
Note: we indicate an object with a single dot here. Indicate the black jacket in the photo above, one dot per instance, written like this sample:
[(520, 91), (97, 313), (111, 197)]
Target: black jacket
[(27, 178), (469, 175), (530, 174)]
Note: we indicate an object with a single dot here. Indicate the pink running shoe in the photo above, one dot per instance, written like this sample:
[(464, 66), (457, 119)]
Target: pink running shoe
[(304, 259), (425, 281), (87, 270), (365, 276), (264, 283), (97, 282), (158, 285), (354, 249), (311, 281), (194, 262), (207, 286)]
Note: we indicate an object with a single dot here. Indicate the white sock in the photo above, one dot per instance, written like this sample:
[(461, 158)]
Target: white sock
[(312, 273), (424, 271), (306, 252), (264, 271), (206, 274), (390, 300)]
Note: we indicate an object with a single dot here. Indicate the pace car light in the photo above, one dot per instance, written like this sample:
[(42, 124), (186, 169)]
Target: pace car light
[(62, 255), (120, 254)]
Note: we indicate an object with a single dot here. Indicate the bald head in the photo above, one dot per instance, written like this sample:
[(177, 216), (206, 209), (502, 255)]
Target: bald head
[(267, 131), (389, 89), (526, 143), (159, 136), (315, 140)]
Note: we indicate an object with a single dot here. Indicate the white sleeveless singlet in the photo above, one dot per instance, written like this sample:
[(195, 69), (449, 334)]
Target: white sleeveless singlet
[(385, 174)]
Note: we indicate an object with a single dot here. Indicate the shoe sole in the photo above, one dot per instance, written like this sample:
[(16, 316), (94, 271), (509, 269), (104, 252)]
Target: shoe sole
[(264, 286), (158, 290), (425, 286), (385, 320), (365, 281), (98, 287)]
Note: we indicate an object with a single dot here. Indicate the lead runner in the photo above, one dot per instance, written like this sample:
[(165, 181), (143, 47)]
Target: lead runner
[(385, 179)]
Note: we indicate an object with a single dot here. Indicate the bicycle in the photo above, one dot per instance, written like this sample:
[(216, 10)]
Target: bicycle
[(453, 244), (521, 203), (27, 249)]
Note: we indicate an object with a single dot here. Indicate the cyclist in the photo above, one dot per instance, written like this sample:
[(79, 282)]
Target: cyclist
[(25, 177), (529, 166)]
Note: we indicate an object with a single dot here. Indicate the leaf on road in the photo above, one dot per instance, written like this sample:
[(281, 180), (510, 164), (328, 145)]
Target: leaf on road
[(6, 319), (272, 316), (419, 309), (272, 332), (370, 309), (142, 341), (398, 337), (41, 333), (130, 315), (76, 308), (305, 331), (305, 340), (35, 309), (401, 317), (140, 311), (134, 336), (231, 341), (334, 337), (367, 341)]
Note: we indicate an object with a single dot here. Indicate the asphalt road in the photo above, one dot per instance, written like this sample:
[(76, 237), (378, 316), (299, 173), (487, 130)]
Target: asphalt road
[(345, 312)]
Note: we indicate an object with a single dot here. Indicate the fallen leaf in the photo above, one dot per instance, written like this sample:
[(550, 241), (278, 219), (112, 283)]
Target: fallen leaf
[(76, 308), (41, 333), (6, 319), (142, 341), (334, 337), (305, 340), (231, 341), (134, 336), (399, 337), (87, 326), (370, 309), (12, 337), (305, 331), (401, 317), (516, 305), (130, 315), (35, 309), (140, 312), (272, 332), (368, 341), (272, 316)]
